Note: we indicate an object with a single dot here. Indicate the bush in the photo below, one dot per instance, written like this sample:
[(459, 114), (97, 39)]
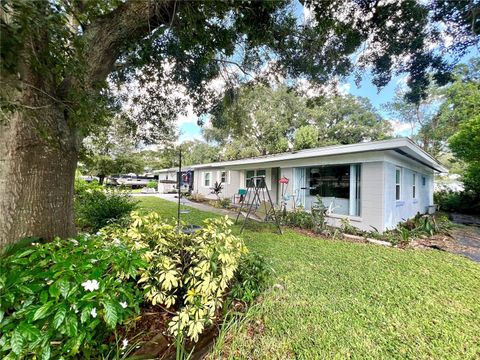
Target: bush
[(152, 184), (197, 197), (65, 298), (298, 218), (221, 203), (187, 273), (96, 208), (251, 278), (462, 202)]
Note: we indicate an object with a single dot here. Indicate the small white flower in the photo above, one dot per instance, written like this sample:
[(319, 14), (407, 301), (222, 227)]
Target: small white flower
[(116, 241), (123, 304), (94, 312), (124, 344), (98, 233), (74, 242), (90, 285)]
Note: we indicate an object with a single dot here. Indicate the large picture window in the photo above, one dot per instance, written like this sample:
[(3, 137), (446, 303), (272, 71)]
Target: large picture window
[(338, 186)]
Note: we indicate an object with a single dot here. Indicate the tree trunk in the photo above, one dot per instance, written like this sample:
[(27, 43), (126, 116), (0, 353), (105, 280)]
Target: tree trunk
[(38, 155)]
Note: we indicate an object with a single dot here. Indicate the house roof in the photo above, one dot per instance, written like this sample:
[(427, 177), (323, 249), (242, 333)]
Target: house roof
[(404, 146)]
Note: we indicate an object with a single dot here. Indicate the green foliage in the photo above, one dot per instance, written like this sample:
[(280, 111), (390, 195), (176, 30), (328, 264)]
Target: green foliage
[(152, 184), (348, 120), (263, 120), (306, 137), (187, 273), (65, 298), (216, 189), (298, 218), (420, 225), (96, 208), (251, 278), (224, 203), (319, 213), (465, 144), (198, 152), (461, 202)]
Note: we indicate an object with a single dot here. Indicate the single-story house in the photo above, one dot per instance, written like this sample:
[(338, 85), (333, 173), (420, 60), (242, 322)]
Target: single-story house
[(373, 184)]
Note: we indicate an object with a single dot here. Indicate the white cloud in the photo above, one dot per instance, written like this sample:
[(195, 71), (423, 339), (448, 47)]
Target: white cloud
[(344, 88), (400, 128)]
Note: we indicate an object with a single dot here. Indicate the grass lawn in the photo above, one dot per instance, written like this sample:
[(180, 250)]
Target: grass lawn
[(344, 300)]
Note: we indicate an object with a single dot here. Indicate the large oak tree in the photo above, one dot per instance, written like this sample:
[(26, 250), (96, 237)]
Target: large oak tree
[(57, 55)]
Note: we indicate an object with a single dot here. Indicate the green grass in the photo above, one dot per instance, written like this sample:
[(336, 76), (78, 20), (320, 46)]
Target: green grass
[(344, 300)]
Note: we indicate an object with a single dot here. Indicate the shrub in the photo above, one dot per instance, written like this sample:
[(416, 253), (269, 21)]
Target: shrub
[(217, 189), (65, 298), (251, 277), (187, 273), (319, 213), (196, 196), (152, 184), (95, 209), (298, 218), (221, 203), (462, 202)]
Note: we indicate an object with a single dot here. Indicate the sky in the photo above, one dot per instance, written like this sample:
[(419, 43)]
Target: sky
[(189, 130)]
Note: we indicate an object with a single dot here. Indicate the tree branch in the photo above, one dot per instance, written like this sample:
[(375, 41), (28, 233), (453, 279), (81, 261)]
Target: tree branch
[(111, 35)]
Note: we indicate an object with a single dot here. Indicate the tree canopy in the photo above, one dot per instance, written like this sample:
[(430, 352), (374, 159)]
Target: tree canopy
[(262, 120)]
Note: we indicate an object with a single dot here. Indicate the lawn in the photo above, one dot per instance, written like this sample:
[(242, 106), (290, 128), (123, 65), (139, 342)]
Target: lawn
[(335, 299)]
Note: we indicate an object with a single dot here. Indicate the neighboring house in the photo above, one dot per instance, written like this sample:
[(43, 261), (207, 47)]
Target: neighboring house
[(373, 184)]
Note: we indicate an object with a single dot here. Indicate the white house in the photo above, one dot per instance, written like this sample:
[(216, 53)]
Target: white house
[(373, 184)]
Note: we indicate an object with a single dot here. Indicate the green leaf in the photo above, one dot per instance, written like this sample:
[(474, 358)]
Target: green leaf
[(54, 291), (72, 325), (29, 332), (59, 317), (64, 286), (43, 296), (25, 253), (110, 314), (46, 352), (16, 342), (42, 311), (24, 289), (85, 315)]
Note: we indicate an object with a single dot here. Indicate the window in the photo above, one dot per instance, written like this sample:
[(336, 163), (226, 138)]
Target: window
[(254, 173), (424, 181), (223, 177), (330, 181), (414, 186), (338, 186), (398, 180), (206, 179)]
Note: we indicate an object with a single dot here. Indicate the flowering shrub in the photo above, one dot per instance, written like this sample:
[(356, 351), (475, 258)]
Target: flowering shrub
[(64, 298), (188, 273)]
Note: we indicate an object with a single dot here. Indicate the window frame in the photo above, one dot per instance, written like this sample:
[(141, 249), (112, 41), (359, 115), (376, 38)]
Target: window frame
[(255, 174), (205, 179), (223, 176), (398, 184), (414, 186)]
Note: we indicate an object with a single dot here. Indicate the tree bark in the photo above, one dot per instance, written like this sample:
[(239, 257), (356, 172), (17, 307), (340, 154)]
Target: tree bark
[(38, 155)]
